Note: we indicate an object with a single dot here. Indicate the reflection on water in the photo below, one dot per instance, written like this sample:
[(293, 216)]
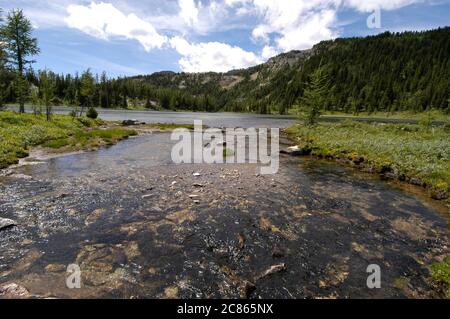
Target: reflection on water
[(139, 226)]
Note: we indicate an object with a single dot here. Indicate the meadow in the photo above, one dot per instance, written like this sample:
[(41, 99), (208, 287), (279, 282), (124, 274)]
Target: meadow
[(418, 154), (20, 132)]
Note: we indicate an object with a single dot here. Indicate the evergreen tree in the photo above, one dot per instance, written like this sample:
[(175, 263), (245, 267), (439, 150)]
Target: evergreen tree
[(47, 87), (87, 90), (314, 96), (2, 69), (20, 44)]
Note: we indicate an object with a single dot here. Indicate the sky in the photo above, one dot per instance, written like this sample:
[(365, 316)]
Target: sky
[(135, 37)]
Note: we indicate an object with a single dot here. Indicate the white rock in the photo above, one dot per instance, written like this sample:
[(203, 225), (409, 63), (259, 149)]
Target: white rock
[(5, 222), (21, 176), (13, 291)]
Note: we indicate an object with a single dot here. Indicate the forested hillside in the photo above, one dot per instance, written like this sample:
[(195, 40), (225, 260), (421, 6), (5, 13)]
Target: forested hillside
[(388, 72)]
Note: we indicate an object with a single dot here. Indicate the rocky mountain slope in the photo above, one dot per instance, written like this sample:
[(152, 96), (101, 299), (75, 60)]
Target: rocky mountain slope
[(390, 71)]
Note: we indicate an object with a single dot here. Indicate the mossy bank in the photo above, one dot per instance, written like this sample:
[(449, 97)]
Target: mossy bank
[(413, 153), (20, 132)]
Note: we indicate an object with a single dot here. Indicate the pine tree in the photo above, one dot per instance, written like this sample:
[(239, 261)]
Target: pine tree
[(2, 69), (47, 89), (87, 90), (313, 96), (20, 44)]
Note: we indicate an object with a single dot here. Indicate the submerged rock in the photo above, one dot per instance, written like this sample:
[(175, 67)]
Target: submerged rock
[(6, 223), (55, 268), (94, 216), (21, 176), (439, 194), (132, 122), (246, 289), (278, 252), (273, 270), (14, 291), (296, 151), (102, 264), (241, 239), (171, 292)]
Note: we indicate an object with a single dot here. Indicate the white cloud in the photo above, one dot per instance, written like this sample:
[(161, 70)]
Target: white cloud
[(370, 5), (205, 17), (276, 26), (188, 11), (212, 56), (313, 29), (104, 21), (295, 24), (268, 52), (299, 24)]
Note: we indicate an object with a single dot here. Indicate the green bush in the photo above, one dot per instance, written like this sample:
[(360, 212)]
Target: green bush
[(92, 113)]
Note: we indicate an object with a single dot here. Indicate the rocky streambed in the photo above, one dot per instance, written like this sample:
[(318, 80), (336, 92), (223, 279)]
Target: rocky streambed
[(139, 226)]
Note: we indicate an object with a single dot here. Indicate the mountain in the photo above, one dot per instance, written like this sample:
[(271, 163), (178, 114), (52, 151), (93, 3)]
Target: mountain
[(387, 72)]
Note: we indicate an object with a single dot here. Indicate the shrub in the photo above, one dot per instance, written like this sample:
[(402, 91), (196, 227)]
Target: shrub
[(92, 113), (441, 275)]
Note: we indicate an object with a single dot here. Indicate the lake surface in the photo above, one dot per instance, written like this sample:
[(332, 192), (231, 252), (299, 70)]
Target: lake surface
[(210, 119)]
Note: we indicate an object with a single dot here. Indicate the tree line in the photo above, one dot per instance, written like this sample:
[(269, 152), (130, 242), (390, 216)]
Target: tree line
[(21, 84), (389, 72)]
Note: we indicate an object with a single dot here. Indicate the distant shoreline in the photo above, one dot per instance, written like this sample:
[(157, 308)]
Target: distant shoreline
[(399, 117)]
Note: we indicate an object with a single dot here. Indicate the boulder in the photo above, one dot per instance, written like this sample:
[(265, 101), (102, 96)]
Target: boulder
[(132, 122), (246, 289), (439, 194), (272, 270), (296, 151), (13, 291), (6, 223)]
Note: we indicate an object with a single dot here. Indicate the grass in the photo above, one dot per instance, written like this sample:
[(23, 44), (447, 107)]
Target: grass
[(91, 139), (414, 153), (433, 115), (440, 273), (20, 132)]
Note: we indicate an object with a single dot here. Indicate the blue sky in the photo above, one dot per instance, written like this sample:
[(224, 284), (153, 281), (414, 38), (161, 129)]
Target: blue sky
[(144, 36)]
